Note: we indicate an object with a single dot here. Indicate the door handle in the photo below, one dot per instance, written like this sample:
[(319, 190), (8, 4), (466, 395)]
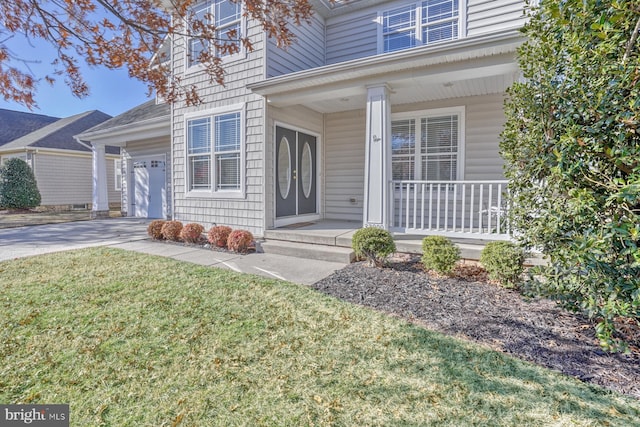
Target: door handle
[(295, 174)]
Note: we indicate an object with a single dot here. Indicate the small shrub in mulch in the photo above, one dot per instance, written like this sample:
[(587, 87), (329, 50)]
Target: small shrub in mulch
[(240, 241), (171, 230), (439, 254), (191, 233), (504, 261), (218, 235), (373, 244), (154, 230)]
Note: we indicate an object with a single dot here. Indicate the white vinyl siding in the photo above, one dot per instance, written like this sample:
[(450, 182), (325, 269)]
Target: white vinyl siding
[(490, 16), (242, 209), (352, 36), (308, 50), (344, 165)]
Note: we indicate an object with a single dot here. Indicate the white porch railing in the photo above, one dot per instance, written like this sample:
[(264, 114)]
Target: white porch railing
[(466, 209)]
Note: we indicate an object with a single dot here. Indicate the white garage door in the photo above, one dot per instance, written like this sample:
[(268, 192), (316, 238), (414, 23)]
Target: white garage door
[(150, 196)]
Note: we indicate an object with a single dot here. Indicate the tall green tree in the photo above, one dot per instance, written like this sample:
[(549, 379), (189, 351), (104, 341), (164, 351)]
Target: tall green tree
[(18, 187), (572, 155)]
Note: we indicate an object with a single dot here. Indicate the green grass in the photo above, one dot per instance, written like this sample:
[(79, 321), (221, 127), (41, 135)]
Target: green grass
[(133, 340)]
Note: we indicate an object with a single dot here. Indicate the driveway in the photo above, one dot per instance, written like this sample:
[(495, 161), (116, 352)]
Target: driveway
[(40, 239)]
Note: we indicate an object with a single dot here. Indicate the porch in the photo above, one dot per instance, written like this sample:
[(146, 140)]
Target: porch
[(330, 240)]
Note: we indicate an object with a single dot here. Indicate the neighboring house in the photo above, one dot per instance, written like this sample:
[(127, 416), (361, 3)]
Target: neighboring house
[(14, 124), (62, 166), (386, 113)]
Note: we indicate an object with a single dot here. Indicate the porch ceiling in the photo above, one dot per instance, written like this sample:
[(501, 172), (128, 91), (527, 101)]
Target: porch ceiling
[(469, 67)]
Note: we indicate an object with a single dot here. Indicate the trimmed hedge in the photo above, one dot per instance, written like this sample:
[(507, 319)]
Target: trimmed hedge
[(373, 244), (439, 254)]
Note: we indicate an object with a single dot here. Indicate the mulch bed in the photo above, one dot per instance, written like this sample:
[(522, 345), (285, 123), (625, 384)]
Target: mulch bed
[(470, 307)]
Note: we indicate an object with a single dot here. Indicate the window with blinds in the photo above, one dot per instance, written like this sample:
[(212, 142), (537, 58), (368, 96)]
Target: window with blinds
[(226, 17), (430, 21), (439, 148), (213, 155), (403, 149), (435, 157)]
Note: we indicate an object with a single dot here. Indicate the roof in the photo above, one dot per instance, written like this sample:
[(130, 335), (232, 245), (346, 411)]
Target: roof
[(143, 112), (15, 124), (60, 134)]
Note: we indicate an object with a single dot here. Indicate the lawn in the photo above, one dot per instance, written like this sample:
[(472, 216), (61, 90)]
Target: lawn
[(134, 340)]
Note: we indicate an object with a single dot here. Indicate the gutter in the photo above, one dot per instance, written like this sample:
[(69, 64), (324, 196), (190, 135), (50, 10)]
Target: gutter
[(375, 64)]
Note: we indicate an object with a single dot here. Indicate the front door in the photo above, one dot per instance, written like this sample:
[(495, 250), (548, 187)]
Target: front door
[(296, 173), (149, 187)]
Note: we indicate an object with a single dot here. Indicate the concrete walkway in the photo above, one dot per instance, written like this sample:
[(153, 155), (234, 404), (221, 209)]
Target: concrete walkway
[(131, 234)]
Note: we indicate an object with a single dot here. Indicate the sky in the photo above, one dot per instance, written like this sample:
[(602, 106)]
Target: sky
[(111, 91)]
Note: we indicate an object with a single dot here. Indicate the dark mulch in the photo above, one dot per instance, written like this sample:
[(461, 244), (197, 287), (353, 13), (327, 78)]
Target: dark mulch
[(536, 330)]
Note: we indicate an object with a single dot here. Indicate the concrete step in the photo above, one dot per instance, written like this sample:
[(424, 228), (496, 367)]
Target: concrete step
[(308, 251), (300, 237)]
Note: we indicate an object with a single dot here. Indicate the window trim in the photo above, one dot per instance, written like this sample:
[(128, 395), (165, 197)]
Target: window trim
[(462, 25), (437, 112), (213, 193), (242, 53)]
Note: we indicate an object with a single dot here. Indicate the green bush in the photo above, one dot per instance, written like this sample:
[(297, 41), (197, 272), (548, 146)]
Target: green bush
[(374, 244), (504, 262), (18, 187), (155, 229), (439, 254)]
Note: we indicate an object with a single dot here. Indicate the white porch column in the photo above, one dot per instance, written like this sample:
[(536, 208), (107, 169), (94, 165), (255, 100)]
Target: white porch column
[(377, 170), (100, 201)]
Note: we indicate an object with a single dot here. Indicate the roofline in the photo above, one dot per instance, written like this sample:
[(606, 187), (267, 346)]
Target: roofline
[(56, 151), (45, 131), (373, 64), (114, 132)]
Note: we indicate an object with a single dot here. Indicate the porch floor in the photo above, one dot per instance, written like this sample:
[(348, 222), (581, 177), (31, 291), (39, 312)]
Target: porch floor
[(339, 233)]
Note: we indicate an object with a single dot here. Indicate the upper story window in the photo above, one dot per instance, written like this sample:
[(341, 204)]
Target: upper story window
[(226, 16), (416, 24), (214, 144)]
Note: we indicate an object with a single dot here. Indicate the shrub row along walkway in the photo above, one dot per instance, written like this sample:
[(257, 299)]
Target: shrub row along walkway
[(536, 330)]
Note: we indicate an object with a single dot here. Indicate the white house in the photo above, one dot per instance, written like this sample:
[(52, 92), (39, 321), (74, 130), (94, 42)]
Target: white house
[(385, 113)]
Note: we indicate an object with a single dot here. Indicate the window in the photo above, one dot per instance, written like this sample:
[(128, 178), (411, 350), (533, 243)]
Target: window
[(437, 157), (428, 22), (117, 174), (214, 152), (226, 16)]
